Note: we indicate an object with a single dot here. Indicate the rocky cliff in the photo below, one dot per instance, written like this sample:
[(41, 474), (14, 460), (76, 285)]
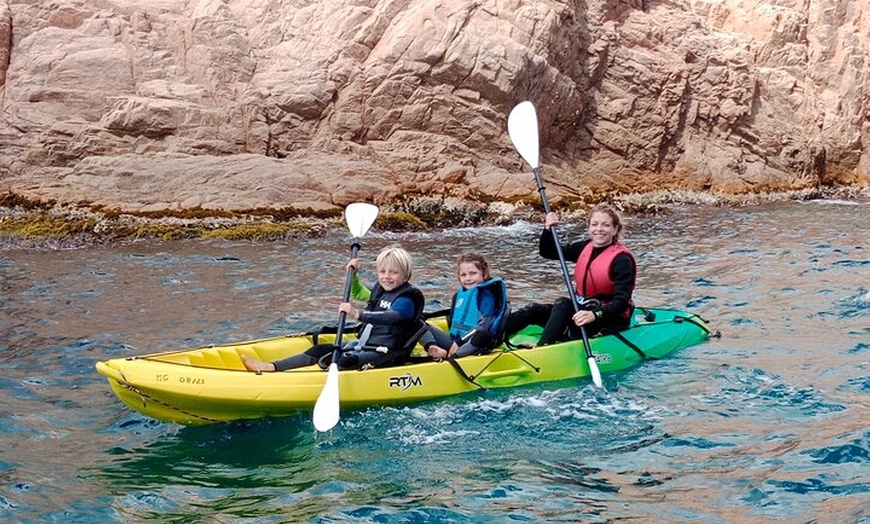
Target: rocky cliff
[(238, 104)]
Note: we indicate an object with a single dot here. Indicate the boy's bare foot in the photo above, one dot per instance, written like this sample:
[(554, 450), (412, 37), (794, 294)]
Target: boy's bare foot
[(436, 352), (257, 365)]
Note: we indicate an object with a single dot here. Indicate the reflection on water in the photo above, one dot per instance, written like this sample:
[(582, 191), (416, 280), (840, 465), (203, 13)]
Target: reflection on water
[(768, 423)]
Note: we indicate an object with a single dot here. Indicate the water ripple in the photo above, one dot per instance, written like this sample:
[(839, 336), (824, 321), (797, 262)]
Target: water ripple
[(763, 392), (856, 451), (767, 423)]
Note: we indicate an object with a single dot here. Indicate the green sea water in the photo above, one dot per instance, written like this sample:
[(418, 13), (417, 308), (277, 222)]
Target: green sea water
[(768, 423)]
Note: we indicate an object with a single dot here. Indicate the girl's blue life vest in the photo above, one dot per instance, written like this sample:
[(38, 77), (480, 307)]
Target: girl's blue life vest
[(466, 315)]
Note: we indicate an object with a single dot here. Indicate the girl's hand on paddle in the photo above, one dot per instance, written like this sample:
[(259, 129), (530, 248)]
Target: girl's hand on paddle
[(348, 309), (452, 351), (353, 263), (551, 219)]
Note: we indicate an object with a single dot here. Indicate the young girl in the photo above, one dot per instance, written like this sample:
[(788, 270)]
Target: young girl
[(476, 309), (393, 314)]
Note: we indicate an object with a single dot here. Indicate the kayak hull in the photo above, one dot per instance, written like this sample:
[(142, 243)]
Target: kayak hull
[(210, 384)]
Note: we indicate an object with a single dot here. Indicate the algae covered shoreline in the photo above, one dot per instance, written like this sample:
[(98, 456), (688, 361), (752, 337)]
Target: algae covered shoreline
[(31, 224)]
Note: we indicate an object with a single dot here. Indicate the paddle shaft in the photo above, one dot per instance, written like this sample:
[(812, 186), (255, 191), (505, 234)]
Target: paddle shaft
[(359, 217), (342, 317), (540, 182)]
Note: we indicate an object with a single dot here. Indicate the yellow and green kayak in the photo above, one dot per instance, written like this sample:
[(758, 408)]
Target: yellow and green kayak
[(210, 384)]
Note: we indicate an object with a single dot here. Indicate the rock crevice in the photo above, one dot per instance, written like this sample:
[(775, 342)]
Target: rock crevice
[(244, 104)]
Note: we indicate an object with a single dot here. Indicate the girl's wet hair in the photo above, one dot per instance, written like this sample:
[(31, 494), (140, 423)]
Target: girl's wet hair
[(398, 257), (604, 207), (478, 260)]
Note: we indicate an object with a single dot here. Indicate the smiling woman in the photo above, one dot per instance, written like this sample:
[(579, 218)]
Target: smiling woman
[(604, 279)]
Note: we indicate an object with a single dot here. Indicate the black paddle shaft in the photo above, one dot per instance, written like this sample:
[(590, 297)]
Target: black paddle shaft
[(342, 317), (540, 182), (562, 263)]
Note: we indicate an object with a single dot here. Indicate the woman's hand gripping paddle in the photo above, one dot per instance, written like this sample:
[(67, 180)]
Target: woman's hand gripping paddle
[(523, 130), (359, 217)]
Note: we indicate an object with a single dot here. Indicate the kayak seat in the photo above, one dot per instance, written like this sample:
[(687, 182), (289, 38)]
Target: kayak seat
[(498, 336)]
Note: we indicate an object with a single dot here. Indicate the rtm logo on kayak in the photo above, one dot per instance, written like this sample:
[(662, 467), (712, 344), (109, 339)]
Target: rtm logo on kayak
[(405, 382)]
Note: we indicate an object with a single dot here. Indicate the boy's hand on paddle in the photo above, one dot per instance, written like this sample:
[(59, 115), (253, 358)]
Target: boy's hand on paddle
[(348, 309)]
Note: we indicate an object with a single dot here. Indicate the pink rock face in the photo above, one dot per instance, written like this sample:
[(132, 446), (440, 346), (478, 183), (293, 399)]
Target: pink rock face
[(239, 104)]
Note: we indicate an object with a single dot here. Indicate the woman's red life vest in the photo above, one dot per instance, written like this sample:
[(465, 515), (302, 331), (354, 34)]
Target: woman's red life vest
[(592, 279)]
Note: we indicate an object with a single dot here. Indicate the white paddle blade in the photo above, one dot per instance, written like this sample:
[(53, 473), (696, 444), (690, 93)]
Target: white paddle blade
[(596, 374), (523, 130), (359, 217), (326, 409)]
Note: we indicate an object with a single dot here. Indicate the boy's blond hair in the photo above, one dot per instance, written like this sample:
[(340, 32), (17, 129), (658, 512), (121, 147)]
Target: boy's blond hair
[(397, 257)]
